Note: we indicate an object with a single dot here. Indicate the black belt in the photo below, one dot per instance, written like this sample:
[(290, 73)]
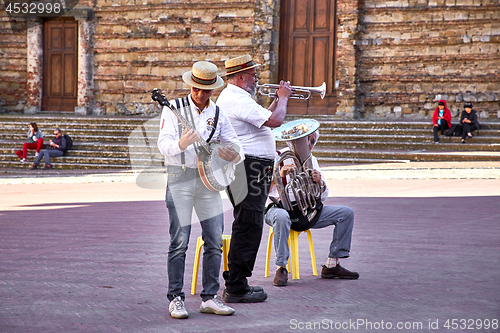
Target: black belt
[(260, 159)]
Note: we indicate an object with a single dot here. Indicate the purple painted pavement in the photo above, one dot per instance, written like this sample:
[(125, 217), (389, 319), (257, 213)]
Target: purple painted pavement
[(102, 268)]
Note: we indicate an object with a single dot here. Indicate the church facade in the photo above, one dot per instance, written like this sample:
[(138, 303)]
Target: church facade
[(379, 59)]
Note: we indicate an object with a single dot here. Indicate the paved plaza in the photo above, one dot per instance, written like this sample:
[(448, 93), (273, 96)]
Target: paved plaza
[(87, 253)]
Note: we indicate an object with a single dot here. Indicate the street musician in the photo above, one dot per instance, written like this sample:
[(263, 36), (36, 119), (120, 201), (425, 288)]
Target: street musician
[(282, 220)]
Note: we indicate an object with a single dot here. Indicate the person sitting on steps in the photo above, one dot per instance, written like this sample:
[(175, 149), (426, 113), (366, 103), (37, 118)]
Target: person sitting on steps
[(468, 120), (57, 148)]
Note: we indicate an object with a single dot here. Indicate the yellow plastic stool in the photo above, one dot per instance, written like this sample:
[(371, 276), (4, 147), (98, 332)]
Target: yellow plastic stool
[(226, 241), (293, 246)]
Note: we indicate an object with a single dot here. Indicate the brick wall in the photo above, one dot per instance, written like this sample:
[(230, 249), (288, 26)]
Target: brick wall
[(141, 47), (415, 52), (394, 58), (13, 64)]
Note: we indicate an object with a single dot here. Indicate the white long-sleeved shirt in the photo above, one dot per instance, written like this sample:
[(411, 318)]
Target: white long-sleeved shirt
[(168, 138), (248, 118)]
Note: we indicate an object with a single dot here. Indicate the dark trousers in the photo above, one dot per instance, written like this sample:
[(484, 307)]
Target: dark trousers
[(466, 129), (47, 154), (248, 223), (443, 127)]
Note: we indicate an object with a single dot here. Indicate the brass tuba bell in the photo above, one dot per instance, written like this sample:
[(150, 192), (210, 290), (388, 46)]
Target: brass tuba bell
[(304, 189)]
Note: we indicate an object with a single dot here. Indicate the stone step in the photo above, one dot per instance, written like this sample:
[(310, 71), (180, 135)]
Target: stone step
[(61, 164), (416, 156), (139, 160), (139, 153), (48, 127), (470, 145), (75, 137), (26, 119), (427, 132), (403, 138)]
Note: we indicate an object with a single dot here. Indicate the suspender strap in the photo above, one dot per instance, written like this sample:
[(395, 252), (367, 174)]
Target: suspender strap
[(183, 156), (216, 120)]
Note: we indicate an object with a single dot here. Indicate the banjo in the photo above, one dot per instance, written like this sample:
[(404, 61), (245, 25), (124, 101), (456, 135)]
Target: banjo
[(215, 173)]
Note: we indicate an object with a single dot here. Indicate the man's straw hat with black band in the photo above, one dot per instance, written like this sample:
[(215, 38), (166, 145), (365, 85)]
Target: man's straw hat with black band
[(203, 76), (239, 64)]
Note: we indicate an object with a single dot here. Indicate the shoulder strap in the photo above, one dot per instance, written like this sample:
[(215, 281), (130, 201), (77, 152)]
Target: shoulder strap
[(179, 124), (216, 120)]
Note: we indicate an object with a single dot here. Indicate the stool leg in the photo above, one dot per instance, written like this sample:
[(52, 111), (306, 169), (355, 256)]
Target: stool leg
[(294, 242), (268, 253), (289, 255), (311, 251), (194, 281), (226, 242)]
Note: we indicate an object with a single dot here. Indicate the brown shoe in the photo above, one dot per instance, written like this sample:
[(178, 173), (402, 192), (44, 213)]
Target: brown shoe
[(281, 277), (338, 272)]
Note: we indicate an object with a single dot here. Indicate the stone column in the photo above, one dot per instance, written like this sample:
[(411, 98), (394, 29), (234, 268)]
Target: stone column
[(346, 83), (85, 96), (35, 67)]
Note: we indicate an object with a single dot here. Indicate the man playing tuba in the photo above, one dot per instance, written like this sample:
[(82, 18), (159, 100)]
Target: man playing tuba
[(281, 221)]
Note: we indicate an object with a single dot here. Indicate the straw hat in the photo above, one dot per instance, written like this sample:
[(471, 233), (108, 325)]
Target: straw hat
[(203, 76), (239, 64)]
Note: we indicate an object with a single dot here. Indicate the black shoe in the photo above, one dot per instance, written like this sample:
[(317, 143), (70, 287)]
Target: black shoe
[(338, 272), (281, 277), (47, 167), (255, 289), (463, 141), (33, 167), (248, 297)]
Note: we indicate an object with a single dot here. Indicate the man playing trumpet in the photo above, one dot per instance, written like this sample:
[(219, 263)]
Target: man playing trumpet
[(252, 123), (342, 217)]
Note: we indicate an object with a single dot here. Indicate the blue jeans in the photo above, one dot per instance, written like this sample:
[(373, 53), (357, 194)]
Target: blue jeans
[(47, 154), (342, 217), (182, 196)]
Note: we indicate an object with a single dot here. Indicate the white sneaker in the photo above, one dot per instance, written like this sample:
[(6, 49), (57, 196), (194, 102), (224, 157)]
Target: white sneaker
[(177, 309), (216, 306), (23, 160), (36, 154)]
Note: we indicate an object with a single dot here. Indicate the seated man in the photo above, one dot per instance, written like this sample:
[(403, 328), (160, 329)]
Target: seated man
[(57, 148), (342, 217)]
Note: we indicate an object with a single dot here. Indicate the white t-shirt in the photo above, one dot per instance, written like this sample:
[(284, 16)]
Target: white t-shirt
[(247, 118)]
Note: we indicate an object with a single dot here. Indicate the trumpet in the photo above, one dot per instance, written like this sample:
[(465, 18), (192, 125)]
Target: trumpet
[(270, 90)]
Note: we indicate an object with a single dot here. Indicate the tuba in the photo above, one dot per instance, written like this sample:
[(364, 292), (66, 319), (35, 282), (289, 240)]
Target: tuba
[(301, 184)]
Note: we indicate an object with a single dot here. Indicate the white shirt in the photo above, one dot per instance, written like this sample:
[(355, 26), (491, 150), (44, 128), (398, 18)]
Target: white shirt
[(274, 191), (248, 118), (168, 138)]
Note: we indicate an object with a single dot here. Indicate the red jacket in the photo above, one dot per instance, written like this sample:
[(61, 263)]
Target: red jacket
[(446, 115)]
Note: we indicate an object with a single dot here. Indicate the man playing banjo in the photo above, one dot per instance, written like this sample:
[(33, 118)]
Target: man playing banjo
[(187, 190)]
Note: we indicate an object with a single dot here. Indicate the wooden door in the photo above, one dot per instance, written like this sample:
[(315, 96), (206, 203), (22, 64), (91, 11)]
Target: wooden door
[(307, 51), (60, 64)]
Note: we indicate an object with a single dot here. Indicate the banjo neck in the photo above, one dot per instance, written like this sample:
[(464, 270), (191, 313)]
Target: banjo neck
[(157, 96)]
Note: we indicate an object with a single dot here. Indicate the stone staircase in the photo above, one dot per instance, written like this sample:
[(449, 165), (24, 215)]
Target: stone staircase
[(129, 143)]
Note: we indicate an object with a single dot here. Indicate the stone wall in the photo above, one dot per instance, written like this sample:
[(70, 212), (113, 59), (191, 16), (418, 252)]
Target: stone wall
[(141, 47), (415, 52), (13, 63), (394, 58)]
